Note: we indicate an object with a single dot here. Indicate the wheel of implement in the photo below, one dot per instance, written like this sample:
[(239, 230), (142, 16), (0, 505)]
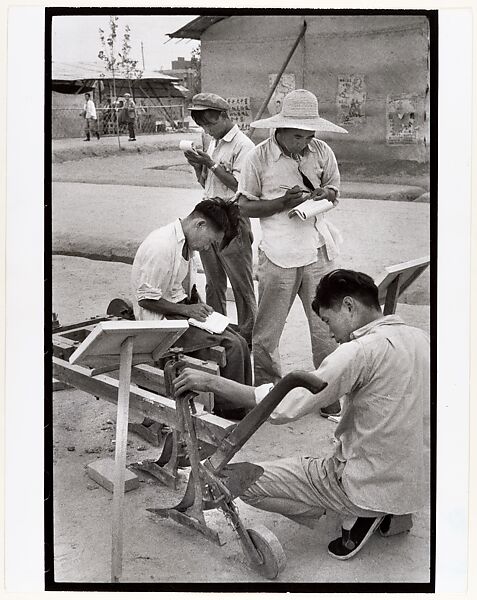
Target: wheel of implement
[(271, 551)]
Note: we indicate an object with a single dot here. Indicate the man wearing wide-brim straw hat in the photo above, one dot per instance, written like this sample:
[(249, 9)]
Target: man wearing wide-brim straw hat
[(279, 174)]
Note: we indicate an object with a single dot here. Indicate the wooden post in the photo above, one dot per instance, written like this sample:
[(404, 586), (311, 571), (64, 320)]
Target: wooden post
[(120, 457), (392, 296), (277, 78)]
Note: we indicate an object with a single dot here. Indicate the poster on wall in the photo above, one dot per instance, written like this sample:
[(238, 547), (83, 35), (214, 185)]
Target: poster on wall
[(285, 85), (240, 111), (401, 116), (351, 99)]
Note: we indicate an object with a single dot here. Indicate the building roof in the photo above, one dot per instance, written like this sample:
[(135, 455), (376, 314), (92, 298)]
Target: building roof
[(196, 28), (80, 71)]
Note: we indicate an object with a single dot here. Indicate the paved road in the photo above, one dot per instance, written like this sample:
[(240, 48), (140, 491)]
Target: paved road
[(109, 222)]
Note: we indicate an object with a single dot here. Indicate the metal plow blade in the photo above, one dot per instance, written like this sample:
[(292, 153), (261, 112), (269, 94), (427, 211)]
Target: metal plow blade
[(238, 477), (235, 478)]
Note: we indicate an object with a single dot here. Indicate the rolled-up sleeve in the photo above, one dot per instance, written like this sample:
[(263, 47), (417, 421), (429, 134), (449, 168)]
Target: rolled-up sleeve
[(342, 370), (147, 292), (240, 157), (250, 182)]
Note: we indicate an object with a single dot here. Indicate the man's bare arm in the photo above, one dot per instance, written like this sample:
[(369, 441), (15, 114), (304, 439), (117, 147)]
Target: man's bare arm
[(237, 394), (251, 208), (196, 311)]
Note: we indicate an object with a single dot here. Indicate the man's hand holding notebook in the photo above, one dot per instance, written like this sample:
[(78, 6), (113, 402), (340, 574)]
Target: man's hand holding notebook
[(214, 323)]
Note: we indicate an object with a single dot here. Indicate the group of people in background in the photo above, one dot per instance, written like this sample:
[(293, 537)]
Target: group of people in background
[(125, 112), (376, 367)]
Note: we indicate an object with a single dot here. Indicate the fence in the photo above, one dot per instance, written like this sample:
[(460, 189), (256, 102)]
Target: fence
[(68, 122)]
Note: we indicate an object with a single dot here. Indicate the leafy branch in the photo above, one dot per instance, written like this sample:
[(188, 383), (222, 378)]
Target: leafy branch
[(129, 66), (107, 54), (120, 64)]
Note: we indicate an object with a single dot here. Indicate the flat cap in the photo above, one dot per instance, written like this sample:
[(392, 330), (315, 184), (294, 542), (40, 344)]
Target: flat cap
[(208, 102)]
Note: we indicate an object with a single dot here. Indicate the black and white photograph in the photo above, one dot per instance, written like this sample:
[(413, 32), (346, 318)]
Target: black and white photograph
[(240, 300)]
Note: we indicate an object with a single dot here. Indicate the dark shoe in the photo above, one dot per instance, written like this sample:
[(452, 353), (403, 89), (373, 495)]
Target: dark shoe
[(86, 139), (97, 135), (131, 139), (352, 540)]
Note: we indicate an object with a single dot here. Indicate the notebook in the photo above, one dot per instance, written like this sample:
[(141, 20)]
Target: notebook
[(310, 208), (215, 323)]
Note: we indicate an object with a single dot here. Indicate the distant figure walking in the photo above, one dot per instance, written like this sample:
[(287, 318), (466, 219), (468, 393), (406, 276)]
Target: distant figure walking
[(90, 118), (129, 115)]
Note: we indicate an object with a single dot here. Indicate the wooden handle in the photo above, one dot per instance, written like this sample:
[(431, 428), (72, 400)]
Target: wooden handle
[(232, 443)]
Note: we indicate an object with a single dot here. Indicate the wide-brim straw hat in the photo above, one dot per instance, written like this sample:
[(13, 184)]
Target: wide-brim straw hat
[(299, 111)]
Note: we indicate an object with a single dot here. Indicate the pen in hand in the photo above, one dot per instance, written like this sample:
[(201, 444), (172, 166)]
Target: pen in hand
[(287, 187)]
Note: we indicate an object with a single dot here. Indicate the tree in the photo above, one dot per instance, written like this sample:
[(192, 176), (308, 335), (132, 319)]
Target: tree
[(108, 56), (118, 64), (127, 65), (195, 63)]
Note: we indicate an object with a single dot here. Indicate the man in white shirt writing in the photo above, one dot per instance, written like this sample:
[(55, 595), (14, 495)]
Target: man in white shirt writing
[(162, 278), (379, 463)]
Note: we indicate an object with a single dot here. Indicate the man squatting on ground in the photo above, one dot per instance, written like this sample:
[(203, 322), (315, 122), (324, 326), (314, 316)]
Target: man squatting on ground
[(90, 118), (162, 271), (293, 254), (379, 464), (217, 171)]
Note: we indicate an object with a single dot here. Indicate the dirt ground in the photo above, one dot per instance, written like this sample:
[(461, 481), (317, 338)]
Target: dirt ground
[(159, 551)]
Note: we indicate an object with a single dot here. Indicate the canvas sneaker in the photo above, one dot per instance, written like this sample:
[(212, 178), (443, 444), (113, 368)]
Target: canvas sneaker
[(352, 540)]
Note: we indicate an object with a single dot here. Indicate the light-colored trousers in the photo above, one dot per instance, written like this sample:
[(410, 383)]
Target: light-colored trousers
[(90, 126), (303, 489), (277, 290)]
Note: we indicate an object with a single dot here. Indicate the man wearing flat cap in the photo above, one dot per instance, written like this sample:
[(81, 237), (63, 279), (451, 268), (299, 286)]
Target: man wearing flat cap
[(279, 174), (217, 171)]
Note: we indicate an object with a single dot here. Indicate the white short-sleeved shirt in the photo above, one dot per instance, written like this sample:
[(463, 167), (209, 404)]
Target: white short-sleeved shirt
[(90, 110), (291, 242), (159, 270), (229, 152)]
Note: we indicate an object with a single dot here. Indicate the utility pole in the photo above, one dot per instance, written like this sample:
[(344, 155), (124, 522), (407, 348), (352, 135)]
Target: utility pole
[(142, 52)]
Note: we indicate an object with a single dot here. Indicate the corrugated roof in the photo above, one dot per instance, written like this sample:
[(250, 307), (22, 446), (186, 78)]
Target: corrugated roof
[(61, 71), (195, 28)]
